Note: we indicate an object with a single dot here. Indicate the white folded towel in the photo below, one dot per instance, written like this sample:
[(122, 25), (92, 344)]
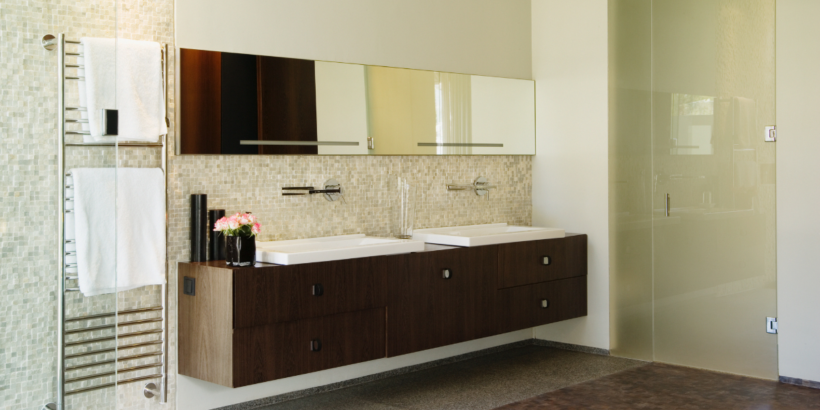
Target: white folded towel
[(136, 249), (130, 82)]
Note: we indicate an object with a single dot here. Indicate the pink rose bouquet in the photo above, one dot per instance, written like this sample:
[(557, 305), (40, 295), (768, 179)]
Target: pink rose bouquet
[(244, 225)]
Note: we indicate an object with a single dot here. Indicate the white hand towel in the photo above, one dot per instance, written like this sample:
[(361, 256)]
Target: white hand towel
[(125, 75), (135, 250)]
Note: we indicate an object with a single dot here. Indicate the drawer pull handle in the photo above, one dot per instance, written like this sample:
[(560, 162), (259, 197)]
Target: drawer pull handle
[(315, 345), (446, 274), (545, 303), (545, 260), (317, 290)]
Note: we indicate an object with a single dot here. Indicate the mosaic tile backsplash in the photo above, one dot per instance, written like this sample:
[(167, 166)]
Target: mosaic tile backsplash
[(28, 196)]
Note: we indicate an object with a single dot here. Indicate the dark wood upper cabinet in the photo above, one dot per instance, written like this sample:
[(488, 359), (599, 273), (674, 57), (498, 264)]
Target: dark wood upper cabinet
[(201, 101), (287, 104), (239, 103), (227, 98)]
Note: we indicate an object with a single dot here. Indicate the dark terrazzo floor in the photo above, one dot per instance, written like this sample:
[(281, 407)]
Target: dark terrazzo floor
[(659, 386), (485, 382), (536, 377)]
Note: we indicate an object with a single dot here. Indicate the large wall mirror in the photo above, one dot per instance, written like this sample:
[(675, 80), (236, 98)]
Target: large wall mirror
[(247, 104)]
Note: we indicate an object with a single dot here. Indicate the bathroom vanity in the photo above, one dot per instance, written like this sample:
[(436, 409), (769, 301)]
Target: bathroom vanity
[(242, 326)]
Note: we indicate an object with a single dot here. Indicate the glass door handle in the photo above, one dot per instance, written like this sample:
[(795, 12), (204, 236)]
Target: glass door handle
[(668, 205)]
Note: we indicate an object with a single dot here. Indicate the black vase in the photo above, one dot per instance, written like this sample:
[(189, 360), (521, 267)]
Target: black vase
[(241, 250)]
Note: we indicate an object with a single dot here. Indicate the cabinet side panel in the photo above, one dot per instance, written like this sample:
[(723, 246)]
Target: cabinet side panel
[(206, 325)]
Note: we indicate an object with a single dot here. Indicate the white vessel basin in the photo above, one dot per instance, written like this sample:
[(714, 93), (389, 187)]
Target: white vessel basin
[(332, 248), (490, 234)]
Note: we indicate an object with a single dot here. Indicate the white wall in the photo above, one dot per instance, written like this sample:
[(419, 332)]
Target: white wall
[(570, 169), (487, 37), (798, 190)]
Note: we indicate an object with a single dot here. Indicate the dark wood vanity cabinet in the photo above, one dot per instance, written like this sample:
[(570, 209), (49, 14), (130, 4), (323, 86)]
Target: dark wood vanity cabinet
[(526, 263), (534, 305), (226, 98), (310, 290), (541, 282), (275, 351), (243, 326), (440, 298)]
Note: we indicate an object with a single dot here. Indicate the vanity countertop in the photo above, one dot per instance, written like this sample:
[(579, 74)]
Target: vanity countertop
[(428, 247)]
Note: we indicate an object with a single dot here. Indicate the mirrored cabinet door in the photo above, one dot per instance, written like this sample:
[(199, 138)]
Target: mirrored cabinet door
[(245, 104)]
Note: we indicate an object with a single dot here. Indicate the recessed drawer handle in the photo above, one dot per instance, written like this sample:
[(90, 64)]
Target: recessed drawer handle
[(446, 273), (545, 303), (315, 345), (317, 290), (545, 260)]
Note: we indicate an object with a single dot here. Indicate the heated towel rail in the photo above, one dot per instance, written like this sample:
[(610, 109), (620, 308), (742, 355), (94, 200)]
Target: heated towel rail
[(50, 42)]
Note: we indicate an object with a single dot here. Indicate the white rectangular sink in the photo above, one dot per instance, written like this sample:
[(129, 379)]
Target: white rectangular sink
[(490, 234), (332, 248)]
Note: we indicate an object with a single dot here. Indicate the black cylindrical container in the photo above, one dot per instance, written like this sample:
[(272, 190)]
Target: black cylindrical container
[(216, 242), (199, 227)]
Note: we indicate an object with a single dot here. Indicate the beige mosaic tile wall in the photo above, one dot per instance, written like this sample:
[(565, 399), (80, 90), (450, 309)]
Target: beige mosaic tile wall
[(254, 184), (28, 200)]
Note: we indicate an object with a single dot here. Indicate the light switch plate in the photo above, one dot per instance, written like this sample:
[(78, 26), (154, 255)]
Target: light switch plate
[(189, 286)]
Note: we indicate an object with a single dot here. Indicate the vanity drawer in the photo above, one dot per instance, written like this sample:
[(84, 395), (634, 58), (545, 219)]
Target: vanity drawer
[(287, 293), (524, 263), (523, 307), (275, 351), (440, 298)]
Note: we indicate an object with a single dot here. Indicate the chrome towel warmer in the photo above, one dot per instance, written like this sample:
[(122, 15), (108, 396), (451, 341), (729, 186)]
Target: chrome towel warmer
[(50, 42)]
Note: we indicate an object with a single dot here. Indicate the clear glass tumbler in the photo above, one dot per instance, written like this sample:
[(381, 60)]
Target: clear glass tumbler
[(403, 208)]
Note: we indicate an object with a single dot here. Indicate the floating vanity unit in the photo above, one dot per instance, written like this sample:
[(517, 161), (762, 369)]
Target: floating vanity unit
[(248, 325)]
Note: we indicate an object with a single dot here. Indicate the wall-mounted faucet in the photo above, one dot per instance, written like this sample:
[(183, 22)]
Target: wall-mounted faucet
[(480, 186), (332, 190)]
